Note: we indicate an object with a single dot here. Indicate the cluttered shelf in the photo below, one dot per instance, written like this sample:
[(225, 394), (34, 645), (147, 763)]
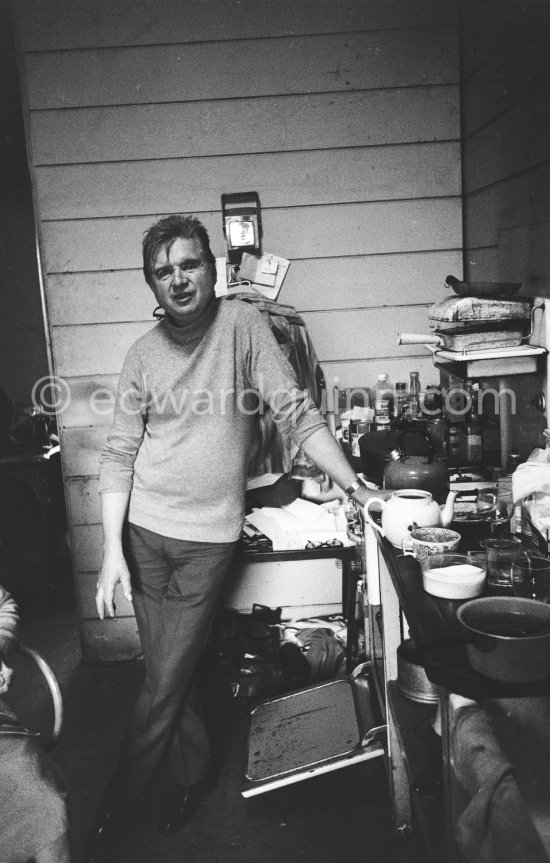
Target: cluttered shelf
[(258, 550), (264, 552), (437, 633)]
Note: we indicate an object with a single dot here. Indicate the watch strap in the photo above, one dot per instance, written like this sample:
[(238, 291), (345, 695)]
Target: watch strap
[(355, 486)]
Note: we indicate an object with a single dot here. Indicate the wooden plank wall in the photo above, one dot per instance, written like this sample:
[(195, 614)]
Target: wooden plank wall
[(344, 117), (505, 80), (505, 88)]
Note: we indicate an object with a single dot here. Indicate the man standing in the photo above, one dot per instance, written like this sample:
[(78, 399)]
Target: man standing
[(173, 479)]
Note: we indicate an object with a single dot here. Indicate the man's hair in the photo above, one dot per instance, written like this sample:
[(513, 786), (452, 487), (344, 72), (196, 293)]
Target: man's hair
[(163, 234)]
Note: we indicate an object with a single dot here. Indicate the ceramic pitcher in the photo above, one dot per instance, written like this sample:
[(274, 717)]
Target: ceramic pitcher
[(408, 508)]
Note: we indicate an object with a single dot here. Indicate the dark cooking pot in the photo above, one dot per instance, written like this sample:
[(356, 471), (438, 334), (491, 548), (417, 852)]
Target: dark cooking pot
[(507, 637), (404, 470), (482, 289)]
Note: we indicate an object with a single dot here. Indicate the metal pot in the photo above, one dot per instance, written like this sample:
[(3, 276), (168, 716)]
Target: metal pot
[(498, 644)]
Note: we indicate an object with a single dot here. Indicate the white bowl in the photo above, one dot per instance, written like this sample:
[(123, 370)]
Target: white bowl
[(453, 576)]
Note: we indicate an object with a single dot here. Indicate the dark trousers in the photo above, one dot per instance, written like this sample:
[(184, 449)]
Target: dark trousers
[(176, 587)]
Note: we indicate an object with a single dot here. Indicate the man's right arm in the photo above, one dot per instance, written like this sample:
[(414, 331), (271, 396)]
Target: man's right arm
[(114, 505), (115, 483)]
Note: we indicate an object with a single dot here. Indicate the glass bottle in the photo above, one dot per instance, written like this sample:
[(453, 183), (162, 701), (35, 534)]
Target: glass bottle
[(414, 396), (401, 400), (470, 435)]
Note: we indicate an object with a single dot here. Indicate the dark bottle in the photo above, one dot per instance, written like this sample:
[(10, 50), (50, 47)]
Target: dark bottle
[(490, 441), (432, 402), (401, 399), (470, 447), (453, 444), (490, 435)]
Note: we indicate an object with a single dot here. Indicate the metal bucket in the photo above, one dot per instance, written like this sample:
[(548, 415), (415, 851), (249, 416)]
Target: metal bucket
[(412, 681)]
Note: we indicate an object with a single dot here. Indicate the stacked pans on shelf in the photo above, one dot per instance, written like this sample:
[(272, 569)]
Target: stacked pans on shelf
[(480, 316)]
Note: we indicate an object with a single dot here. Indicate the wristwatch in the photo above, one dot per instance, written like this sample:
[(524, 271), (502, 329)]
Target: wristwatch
[(352, 489)]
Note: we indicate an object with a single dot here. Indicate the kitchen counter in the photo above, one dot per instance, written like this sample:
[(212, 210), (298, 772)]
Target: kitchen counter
[(426, 770), (439, 638)]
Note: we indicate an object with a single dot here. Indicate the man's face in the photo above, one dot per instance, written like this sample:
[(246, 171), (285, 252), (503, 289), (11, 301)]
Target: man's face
[(183, 282)]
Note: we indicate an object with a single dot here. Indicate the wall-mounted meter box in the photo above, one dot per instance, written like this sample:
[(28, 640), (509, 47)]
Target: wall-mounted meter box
[(242, 224)]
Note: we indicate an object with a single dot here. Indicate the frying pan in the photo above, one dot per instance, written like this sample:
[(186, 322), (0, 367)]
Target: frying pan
[(482, 289)]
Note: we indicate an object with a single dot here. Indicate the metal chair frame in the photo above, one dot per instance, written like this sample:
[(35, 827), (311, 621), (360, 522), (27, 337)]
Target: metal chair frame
[(55, 692)]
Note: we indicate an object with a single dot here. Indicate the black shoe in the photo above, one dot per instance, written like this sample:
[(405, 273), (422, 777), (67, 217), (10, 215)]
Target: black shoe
[(111, 828), (181, 807)]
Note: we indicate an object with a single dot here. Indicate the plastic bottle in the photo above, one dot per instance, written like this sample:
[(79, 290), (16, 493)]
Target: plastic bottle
[(383, 403)]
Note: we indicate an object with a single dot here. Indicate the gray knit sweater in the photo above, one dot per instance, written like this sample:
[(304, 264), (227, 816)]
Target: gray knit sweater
[(182, 430)]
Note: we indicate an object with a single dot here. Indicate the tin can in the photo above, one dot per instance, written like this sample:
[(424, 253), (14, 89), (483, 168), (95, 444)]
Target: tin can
[(357, 428)]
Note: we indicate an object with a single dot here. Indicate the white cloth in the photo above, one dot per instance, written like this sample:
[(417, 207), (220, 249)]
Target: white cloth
[(531, 486), (531, 477), (300, 522)]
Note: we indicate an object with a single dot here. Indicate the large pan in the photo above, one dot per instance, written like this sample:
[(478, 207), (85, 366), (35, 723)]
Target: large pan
[(482, 289), (493, 334)]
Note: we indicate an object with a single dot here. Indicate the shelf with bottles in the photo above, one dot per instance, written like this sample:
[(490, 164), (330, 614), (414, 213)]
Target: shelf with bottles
[(502, 371)]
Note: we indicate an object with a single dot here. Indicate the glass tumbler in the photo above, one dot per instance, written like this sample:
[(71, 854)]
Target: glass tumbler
[(531, 578), (505, 505), (486, 503), (501, 553)]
